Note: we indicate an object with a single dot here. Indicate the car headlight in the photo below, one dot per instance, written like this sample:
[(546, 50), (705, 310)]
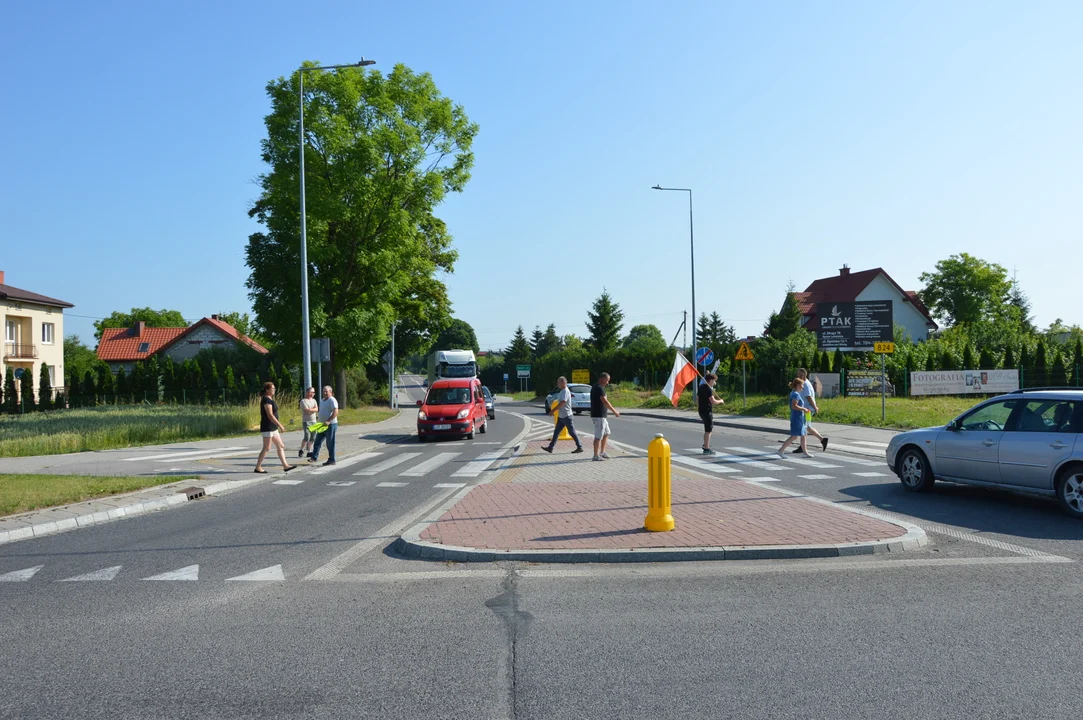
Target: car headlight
[(421, 415), (463, 413)]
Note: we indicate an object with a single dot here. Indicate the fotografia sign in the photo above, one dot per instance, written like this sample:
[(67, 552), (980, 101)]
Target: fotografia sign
[(855, 325), (963, 382)]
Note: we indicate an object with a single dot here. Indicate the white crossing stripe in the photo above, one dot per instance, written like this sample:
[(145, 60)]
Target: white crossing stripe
[(429, 465), (478, 465), (287, 482), (360, 457), (871, 443), (486, 443), (870, 474), (855, 450), (753, 454), (449, 485), (745, 460), (20, 575), (185, 454), (816, 477), (701, 465), (392, 484), (762, 479), (185, 573), (266, 574), (836, 457), (97, 576), (799, 460), (342, 483), (388, 464)]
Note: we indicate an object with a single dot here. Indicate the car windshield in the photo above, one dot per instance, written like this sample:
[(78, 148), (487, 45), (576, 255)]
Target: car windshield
[(465, 370), (448, 396)]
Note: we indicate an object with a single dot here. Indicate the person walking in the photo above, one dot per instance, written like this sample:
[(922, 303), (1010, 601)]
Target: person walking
[(707, 401), (269, 427), (309, 407), (563, 411), (329, 415), (600, 407), (808, 399), (797, 420)]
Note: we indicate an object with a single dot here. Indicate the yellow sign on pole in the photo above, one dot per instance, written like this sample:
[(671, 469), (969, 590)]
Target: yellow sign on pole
[(581, 376), (883, 348), (744, 353)]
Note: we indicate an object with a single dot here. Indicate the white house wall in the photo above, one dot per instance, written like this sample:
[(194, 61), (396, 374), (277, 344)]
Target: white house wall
[(905, 313), (204, 338), (29, 318)]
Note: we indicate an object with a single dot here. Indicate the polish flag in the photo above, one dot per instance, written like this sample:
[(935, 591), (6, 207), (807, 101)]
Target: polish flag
[(683, 373)]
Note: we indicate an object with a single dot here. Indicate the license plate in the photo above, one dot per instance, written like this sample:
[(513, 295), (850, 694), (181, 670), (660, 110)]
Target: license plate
[(441, 427)]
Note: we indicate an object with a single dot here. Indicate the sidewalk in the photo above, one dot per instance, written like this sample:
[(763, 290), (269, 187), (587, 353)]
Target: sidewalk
[(228, 472), (567, 508)]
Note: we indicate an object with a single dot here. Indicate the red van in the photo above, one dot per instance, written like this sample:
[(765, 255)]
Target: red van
[(453, 407)]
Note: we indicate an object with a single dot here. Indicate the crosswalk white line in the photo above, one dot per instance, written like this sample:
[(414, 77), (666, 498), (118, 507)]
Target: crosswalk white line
[(20, 575), (799, 460), (701, 465), (742, 460), (870, 474), (855, 450), (360, 457), (835, 457), (388, 464), (185, 573), (272, 573), (754, 454), (870, 443), (185, 454), (429, 465), (287, 482), (816, 477), (478, 465), (449, 485), (761, 479), (392, 484), (97, 576)]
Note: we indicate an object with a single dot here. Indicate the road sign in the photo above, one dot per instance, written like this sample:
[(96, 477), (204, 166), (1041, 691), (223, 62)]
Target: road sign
[(704, 356), (522, 371), (883, 348), (581, 376), (743, 353), (321, 349), (854, 325), (505, 377)]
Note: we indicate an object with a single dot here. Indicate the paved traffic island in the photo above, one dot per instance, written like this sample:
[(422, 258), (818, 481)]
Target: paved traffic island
[(560, 508)]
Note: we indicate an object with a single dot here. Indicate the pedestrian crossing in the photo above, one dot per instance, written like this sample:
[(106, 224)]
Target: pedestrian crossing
[(188, 573), (408, 465), (764, 465)]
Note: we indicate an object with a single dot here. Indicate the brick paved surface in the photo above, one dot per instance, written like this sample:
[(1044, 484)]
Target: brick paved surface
[(562, 501)]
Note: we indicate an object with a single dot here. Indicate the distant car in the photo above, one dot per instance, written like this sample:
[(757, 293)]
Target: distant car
[(489, 402), (425, 383), (1026, 441), (580, 397)]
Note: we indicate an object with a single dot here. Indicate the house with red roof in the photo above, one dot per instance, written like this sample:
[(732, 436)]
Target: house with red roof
[(33, 334), (874, 284), (123, 347)]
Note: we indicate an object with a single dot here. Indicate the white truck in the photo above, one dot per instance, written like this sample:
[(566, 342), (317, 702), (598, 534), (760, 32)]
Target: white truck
[(452, 364)]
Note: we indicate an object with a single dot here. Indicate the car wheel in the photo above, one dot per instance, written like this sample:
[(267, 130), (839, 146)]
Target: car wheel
[(492, 415), (914, 471), (470, 435), (1070, 490)]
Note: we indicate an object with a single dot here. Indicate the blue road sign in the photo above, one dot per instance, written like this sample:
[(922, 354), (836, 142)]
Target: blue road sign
[(505, 377), (704, 356)]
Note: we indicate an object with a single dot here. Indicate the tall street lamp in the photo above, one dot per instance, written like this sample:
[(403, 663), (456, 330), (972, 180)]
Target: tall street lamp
[(692, 244), (306, 339)]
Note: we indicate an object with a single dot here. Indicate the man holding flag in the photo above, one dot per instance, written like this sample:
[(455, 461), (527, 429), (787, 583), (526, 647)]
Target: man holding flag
[(683, 373)]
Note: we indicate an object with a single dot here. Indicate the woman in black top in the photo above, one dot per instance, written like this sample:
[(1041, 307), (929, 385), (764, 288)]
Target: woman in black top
[(269, 426)]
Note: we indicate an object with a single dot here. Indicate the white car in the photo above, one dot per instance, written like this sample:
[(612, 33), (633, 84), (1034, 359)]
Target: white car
[(580, 397)]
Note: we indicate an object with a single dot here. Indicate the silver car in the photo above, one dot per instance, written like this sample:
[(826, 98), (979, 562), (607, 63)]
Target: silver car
[(1027, 441), (580, 397)]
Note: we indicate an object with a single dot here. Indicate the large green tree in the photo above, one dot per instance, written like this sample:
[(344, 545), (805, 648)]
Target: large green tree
[(643, 340), (550, 341), (786, 321), (153, 318), (604, 321), (459, 335), (964, 290), (381, 153), (518, 353)]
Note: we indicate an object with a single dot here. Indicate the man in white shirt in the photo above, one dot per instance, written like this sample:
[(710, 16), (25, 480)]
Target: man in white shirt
[(328, 414), (808, 399), (563, 411)]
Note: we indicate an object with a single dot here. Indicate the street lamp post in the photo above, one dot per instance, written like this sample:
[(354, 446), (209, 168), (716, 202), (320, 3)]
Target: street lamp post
[(692, 246), (306, 338)]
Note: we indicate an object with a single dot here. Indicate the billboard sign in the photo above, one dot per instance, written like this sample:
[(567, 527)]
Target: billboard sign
[(854, 325), (963, 382)]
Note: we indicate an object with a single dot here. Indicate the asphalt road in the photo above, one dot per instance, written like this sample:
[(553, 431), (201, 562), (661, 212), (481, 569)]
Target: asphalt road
[(982, 623)]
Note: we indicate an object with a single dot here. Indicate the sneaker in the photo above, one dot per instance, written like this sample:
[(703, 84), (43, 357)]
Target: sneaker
[(796, 451), (547, 448), (300, 453), (311, 459), (708, 451), (823, 441), (597, 458), (782, 454), (330, 462), (806, 455), (603, 456), (577, 450)]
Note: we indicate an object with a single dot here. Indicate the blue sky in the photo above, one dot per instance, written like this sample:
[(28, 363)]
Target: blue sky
[(872, 134)]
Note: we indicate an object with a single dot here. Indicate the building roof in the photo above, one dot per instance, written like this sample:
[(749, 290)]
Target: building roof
[(845, 287), (7, 292), (124, 345)]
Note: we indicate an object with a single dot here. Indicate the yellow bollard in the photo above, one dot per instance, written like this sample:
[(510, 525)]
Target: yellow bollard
[(659, 517), (564, 431)]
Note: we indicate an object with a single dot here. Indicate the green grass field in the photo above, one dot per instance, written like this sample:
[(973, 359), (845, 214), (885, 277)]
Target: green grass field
[(22, 493), (110, 427)]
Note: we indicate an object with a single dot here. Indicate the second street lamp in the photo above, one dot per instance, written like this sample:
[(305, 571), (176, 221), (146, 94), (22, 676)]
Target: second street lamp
[(306, 337), (692, 245)]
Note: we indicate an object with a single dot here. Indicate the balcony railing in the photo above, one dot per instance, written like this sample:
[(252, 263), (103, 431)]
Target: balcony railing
[(14, 351)]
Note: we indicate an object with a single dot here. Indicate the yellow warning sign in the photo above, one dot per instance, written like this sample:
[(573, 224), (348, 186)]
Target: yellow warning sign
[(581, 376), (744, 353)]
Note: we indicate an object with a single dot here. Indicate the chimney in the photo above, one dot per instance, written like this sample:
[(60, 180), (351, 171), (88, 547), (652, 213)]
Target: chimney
[(214, 317), (138, 328), (1, 277), (844, 270)]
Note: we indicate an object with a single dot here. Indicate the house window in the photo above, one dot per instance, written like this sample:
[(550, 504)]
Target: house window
[(52, 375), (47, 331), (9, 331), (144, 347)]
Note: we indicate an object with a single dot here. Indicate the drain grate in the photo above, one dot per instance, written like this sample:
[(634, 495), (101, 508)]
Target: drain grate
[(194, 493)]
